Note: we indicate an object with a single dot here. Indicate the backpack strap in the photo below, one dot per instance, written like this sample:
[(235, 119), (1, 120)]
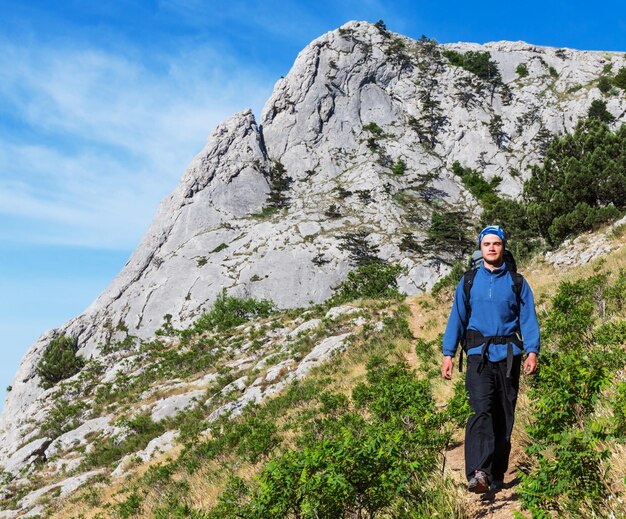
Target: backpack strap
[(468, 281), (518, 284)]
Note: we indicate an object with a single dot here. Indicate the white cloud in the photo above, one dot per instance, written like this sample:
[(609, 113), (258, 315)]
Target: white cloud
[(280, 19), (108, 137)]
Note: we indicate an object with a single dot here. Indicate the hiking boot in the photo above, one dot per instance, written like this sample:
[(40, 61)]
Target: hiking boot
[(496, 486), (478, 483)]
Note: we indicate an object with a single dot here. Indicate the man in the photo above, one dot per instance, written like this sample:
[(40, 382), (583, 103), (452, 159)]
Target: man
[(500, 308)]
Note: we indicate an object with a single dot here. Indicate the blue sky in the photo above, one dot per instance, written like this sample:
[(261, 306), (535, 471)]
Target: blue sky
[(103, 104)]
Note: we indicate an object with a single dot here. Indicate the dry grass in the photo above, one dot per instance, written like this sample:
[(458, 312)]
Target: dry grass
[(112, 491)]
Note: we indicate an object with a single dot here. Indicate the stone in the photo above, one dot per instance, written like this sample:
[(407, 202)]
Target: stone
[(161, 444), (26, 454), (275, 371), (320, 353), (64, 488), (171, 406), (65, 465), (337, 311), (303, 328), (77, 437)]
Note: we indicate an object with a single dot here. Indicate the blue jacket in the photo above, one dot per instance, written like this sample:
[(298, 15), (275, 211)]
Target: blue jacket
[(494, 312)]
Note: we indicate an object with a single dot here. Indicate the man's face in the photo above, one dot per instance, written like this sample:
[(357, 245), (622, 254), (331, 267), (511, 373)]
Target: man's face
[(492, 250)]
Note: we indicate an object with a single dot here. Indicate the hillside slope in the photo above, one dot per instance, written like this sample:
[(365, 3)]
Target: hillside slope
[(172, 429)]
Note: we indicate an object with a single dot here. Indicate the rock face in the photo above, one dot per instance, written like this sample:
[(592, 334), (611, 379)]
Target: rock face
[(359, 137)]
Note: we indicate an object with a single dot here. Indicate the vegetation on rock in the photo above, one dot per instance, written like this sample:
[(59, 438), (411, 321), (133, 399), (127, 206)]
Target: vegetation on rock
[(373, 281), (229, 311), (279, 185), (581, 184), (59, 361)]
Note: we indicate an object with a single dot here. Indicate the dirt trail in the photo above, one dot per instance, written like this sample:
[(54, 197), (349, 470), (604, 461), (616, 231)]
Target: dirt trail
[(498, 505)]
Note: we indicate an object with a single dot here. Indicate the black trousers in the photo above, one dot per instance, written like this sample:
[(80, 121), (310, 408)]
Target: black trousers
[(492, 397)]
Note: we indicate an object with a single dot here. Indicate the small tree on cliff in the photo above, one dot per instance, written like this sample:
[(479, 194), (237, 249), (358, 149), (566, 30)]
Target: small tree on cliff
[(59, 361)]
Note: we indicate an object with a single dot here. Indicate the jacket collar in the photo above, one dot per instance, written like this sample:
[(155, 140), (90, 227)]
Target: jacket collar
[(501, 270)]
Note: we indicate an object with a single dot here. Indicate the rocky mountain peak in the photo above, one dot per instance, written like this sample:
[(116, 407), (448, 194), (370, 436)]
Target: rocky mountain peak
[(234, 148)]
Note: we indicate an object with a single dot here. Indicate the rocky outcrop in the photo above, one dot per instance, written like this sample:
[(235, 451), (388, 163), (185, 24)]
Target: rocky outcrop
[(359, 137), (585, 248)]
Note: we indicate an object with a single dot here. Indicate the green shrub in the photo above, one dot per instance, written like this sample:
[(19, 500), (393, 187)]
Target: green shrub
[(141, 429), (229, 311), (581, 183), (333, 212), (496, 130), (409, 243), (568, 474), (483, 190), (509, 214), (232, 501), (251, 438), (374, 129), (597, 110), (130, 507), (478, 63), (522, 70), (258, 438), (59, 361), (376, 280), (362, 252), (280, 183), (266, 212), (568, 478), (399, 167), (219, 248), (449, 231), (619, 410), (380, 25), (376, 133), (620, 78), (604, 84), (63, 417), (380, 456), (565, 392)]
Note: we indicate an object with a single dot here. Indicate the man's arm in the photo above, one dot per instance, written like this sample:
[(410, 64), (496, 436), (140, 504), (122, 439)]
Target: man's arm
[(529, 329), (446, 367), (454, 331)]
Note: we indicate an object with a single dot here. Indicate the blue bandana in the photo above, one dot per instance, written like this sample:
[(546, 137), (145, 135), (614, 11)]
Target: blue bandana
[(492, 229)]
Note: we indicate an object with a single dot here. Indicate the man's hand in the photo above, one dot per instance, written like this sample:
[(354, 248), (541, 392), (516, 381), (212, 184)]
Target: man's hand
[(530, 364), (446, 367)]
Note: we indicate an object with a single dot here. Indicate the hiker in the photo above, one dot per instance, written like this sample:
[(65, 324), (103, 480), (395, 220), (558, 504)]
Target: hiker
[(493, 310)]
